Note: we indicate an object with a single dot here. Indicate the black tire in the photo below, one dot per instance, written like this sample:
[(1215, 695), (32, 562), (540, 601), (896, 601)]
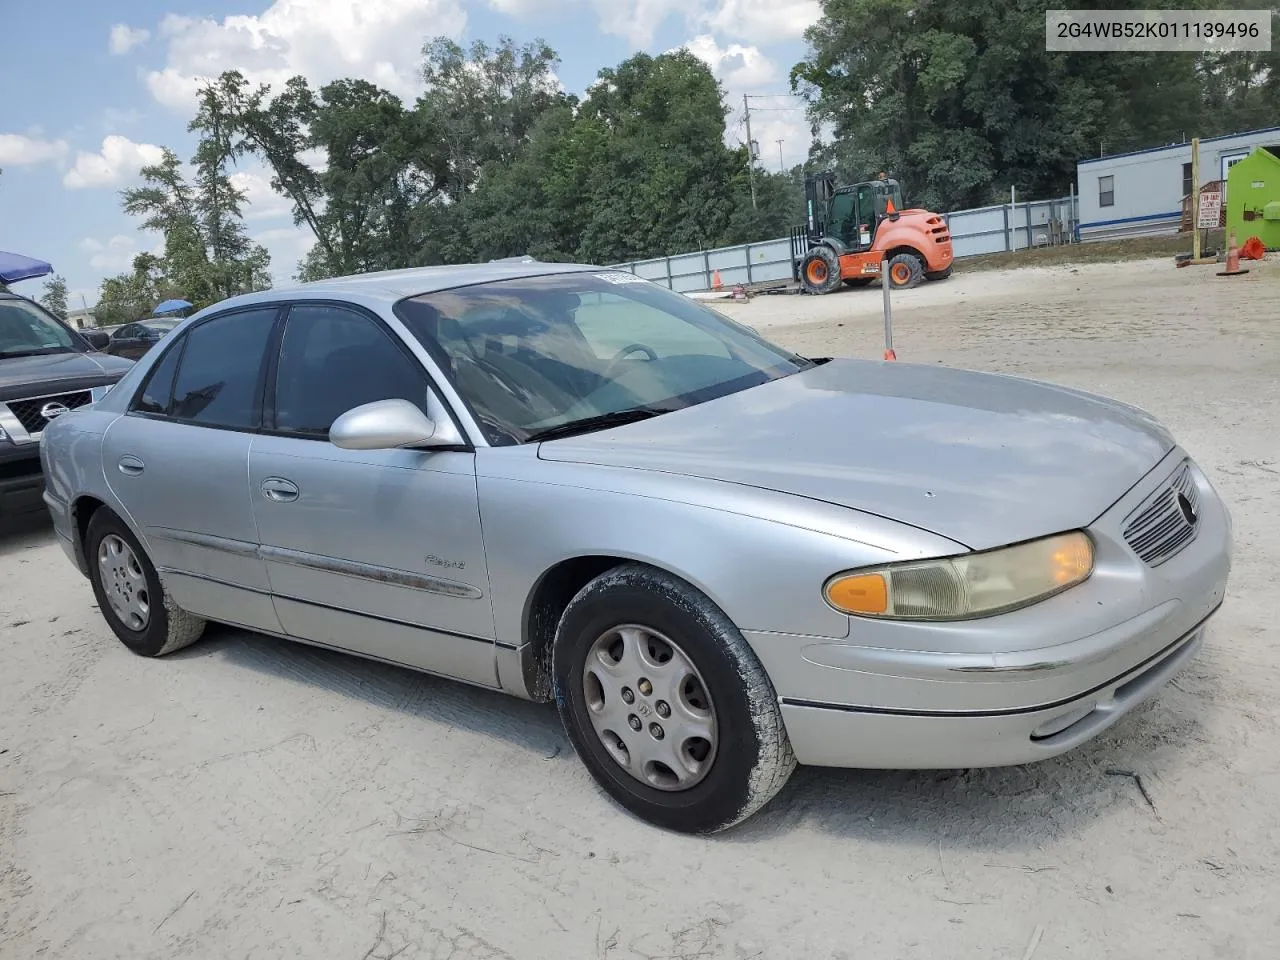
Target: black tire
[(938, 274), (168, 627), (820, 271), (906, 270), (750, 764), (858, 281)]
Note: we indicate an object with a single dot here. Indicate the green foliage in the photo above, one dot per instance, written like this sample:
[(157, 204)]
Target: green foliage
[(495, 160), (132, 296), (960, 101), (54, 297)]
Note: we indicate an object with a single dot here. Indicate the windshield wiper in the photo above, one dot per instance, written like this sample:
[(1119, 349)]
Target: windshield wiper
[(617, 418)]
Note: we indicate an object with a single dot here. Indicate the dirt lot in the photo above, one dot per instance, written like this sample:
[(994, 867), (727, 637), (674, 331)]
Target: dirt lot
[(249, 798)]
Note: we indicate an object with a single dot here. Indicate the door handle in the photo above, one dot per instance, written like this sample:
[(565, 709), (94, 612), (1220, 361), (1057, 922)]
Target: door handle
[(130, 465), (279, 490)]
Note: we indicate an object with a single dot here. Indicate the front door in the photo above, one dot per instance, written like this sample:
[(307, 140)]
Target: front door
[(178, 463), (378, 551)]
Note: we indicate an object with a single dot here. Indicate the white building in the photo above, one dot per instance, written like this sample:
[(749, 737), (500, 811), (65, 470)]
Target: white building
[(1140, 193)]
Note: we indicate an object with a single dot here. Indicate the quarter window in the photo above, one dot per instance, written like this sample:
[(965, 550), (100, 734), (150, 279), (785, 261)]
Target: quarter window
[(332, 360), (218, 376), (158, 392), (1106, 191)]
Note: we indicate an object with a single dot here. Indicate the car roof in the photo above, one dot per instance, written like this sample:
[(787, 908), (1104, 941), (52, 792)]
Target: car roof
[(393, 285)]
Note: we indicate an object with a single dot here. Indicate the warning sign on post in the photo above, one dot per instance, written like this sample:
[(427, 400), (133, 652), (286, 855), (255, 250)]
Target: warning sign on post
[(1210, 210)]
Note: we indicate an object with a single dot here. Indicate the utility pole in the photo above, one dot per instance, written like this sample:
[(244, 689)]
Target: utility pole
[(751, 151), (782, 167)]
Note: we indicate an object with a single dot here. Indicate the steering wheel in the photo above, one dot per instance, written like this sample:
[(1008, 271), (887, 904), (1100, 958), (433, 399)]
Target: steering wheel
[(625, 352)]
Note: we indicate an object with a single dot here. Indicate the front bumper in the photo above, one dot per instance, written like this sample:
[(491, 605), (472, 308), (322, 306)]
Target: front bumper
[(21, 483), (1014, 688)]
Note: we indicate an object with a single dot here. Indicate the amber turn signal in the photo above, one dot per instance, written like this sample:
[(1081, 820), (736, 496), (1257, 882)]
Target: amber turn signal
[(859, 593)]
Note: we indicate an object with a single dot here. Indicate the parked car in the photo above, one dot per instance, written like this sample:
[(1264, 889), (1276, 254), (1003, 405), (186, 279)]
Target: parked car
[(134, 339), (46, 369), (98, 339), (716, 557)]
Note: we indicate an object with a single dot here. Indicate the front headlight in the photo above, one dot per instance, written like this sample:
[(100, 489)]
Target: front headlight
[(967, 586)]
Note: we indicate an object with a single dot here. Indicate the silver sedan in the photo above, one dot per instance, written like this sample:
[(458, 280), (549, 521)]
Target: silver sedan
[(718, 558)]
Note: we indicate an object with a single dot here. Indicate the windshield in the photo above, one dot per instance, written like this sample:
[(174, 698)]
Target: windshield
[(26, 330), (535, 355)]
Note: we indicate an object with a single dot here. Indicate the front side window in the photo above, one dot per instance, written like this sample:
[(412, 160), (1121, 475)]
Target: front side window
[(27, 331), (332, 360), (545, 354), (220, 369), (1106, 191)]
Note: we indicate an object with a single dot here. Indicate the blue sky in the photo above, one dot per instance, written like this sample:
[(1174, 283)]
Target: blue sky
[(92, 90)]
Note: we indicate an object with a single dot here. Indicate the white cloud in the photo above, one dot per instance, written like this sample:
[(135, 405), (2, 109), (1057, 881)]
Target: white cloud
[(261, 202), (18, 150), (112, 118), (377, 40), (636, 20), (736, 66), (287, 246), (124, 38), (113, 256), (119, 161), (762, 21)]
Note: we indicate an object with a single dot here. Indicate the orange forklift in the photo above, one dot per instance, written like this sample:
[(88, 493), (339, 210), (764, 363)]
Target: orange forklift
[(852, 229)]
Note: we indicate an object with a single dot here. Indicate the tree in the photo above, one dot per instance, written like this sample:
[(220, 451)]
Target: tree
[(54, 297), (132, 296), (961, 100), (207, 255)]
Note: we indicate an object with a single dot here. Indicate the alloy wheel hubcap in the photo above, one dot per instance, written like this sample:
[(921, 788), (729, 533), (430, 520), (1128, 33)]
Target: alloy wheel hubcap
[(124, 582), (650, 707)]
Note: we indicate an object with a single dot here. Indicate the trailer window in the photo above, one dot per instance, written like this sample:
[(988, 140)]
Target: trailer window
[(1106, 191)]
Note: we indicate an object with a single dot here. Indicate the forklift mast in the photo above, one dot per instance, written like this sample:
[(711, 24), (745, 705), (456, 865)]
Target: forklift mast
[(819, 188)]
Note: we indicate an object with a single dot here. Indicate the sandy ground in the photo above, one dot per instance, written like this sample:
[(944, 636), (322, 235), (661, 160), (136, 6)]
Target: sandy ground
[(251, 798)]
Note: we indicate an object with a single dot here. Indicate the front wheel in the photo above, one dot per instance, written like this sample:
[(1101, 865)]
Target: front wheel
[(820, 271), (666, 703)]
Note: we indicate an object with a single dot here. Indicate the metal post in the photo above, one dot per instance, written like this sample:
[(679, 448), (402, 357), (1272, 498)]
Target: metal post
[(751, 154), (1195, 198), (885, 283), (1013, 217)]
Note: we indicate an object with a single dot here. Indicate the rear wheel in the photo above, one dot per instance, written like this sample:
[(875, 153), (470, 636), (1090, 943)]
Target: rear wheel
[(820, 270), (129, 592), (666, 704), (906, 270), (937, 274)]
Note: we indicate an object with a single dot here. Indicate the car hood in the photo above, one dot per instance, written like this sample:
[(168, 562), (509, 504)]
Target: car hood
[(57, 372), (979, 458)]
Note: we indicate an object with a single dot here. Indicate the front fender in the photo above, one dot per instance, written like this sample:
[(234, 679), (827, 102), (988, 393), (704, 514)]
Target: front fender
[(761, 556)]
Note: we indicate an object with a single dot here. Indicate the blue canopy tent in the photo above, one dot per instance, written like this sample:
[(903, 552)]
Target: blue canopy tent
[(171, 306), (15, 267)]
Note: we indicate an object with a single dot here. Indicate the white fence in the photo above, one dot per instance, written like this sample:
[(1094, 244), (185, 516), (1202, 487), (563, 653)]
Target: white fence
[(994, 229)]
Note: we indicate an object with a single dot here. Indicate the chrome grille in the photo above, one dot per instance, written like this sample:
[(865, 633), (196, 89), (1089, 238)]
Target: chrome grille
[(1160, 528), (28, 410)]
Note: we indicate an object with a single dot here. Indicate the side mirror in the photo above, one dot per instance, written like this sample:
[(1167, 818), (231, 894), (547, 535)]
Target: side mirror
[(384, 425)]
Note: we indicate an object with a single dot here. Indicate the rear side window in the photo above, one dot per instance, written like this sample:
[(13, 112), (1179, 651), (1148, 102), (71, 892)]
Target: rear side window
[(220, 369), (333, 359)]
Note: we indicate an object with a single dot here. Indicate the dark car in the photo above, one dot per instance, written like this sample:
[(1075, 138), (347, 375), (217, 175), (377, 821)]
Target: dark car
[(46, 369), (134, 339), (98, 339)]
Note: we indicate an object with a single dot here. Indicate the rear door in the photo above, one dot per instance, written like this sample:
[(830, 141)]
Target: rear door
[(375, 551), (178, 463)]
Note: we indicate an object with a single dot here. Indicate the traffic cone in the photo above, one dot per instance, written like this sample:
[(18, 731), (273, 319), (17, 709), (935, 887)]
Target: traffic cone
[(890, 355), (889, 207), (1233, 259), (715, 281)]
